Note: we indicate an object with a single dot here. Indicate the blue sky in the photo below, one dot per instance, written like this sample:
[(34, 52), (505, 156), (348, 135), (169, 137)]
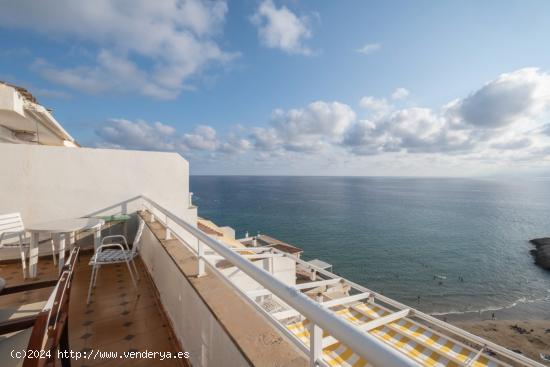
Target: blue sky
[(294, 87)]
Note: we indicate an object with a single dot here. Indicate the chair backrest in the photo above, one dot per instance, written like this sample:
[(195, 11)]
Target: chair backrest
[(137, 240), (50, 331), (11, 222)]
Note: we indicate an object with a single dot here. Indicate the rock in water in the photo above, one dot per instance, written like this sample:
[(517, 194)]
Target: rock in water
[(542, 252)]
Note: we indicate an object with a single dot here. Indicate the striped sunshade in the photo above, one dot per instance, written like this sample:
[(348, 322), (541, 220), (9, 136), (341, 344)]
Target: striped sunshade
[(424, 345)]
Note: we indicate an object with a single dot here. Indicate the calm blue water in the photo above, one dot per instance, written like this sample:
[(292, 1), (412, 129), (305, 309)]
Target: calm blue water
[(393, 235)]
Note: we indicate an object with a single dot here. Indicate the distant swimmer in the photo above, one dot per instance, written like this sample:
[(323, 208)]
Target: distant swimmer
[(418, 299)]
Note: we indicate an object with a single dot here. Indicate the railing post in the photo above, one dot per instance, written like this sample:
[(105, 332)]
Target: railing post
[(200, 258), (315, 344)]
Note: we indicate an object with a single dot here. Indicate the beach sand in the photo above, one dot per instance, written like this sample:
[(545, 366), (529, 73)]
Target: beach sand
[(530, 337)]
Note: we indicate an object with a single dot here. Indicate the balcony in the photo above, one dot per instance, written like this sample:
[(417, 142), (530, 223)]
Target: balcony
[(201, 291), (119, 319), (222, 302)]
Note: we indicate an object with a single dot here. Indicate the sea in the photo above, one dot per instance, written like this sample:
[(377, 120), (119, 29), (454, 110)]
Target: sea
[(457, 248)]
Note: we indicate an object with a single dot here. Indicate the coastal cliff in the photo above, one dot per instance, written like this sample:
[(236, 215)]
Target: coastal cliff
[(542, 252)]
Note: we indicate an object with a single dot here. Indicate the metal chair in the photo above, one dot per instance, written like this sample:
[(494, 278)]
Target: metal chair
[(116, 253), (12, 228)]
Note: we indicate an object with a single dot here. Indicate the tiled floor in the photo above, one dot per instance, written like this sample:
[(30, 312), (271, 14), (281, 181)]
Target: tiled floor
[(120, 317)]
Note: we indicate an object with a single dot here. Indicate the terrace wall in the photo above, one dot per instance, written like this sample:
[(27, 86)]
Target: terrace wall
[(46, 183)]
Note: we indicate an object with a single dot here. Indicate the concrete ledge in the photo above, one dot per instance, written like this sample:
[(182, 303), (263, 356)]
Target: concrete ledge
[(259, 342)]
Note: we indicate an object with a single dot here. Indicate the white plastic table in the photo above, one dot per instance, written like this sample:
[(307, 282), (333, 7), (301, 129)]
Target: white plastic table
[(62, 231)]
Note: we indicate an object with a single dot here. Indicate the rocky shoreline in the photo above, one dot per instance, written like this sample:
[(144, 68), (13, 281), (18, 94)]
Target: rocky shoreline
[(541, 252)]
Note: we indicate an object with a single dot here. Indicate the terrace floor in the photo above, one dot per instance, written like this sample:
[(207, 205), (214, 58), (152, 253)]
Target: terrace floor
[(120, 317)]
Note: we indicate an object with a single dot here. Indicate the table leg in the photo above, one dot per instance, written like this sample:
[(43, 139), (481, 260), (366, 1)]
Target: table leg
[(33, 254), (70, 237), (97, 237), (63, 238), (55, 239), (125, 229)]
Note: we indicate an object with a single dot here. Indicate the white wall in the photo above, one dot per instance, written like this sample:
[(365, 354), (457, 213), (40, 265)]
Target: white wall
[(47, 183), (284, 269), (198, 331)]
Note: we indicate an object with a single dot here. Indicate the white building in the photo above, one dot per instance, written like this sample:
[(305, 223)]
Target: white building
[(24, 121)]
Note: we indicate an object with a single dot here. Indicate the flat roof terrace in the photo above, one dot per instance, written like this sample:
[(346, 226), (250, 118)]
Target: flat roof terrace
[(120, 318)]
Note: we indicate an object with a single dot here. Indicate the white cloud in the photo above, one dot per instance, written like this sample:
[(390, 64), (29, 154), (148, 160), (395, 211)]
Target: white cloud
[(421, 130), (375, 104), (122, 133), (512, 97), (496, 116), (175, 38), (235, 145), (202, 138), (513, 144), (265, 139), (362, 138), (369, 48), (318, 118), (400, 93), (309, 129), (280, 28), (380, 106), (333, 132), (127, 134)]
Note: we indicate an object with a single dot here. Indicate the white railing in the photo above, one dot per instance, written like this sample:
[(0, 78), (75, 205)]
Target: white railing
[(365, 345), (208, 250), (429, 321)]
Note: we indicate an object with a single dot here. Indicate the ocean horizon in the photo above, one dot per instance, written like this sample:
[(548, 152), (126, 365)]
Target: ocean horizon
[(453, 247)]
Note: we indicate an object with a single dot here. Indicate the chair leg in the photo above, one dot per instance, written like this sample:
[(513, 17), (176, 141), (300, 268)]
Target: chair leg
[(135, 268), (23, 261), (131, 273), (96, 273), (91, 283)]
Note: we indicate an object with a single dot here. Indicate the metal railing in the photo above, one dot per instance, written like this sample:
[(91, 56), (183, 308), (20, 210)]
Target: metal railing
[(363, 344), (428, 321), (322, 319)]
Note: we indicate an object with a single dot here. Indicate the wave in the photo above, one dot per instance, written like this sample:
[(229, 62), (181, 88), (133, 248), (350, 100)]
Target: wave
[(521, 300)]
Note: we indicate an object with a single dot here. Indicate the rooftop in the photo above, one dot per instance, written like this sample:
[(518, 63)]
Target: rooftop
[(267, 322), (268, 241), (24, 121), (119, 319)]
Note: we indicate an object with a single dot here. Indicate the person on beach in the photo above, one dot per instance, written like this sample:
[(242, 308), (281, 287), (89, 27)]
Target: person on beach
[(493, 316)]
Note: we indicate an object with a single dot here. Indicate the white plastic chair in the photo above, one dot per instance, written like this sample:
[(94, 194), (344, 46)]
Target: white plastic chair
[(12, 228), (116, 253)]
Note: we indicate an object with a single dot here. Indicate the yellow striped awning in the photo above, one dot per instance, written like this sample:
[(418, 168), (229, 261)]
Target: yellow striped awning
[(420, 343)]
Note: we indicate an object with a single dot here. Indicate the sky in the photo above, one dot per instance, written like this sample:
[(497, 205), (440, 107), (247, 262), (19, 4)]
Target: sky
[(374, 88)]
